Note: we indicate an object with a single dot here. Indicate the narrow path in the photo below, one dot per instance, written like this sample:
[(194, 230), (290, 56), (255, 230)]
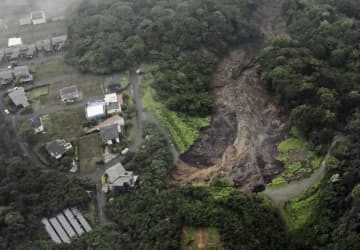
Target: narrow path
[(286, 192)]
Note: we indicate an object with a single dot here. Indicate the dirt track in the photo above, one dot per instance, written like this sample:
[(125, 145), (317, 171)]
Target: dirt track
[(246, 126)]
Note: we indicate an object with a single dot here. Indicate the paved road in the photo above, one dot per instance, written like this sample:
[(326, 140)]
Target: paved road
[(135, 84), (151, 118), (286, 192)]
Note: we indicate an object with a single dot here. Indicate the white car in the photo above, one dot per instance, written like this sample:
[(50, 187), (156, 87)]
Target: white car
[(139, 71), (125, 151), (6, 111)]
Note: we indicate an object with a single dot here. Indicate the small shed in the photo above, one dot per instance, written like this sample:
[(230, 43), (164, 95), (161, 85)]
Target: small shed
[(69, 94)]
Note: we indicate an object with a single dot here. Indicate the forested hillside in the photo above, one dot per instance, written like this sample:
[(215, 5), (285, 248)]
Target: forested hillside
[(184, 38), (314, 72), (27, 194), (152, 216)]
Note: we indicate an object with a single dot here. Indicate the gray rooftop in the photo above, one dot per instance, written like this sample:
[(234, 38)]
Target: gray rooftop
[(58, 39), (109, 132), (56, 147), (117, 175), (35, 122), (21, 71), (19, 98), (69, 93), (6, 75)]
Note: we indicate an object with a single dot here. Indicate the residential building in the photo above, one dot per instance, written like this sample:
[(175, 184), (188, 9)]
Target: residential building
[(44, 45), (113, 103), (12, 53), (14, 41), (22, 74), (95, 110), (113, 108), (69, 94), (6, 77), (38, 17), (110, 134), (112, 84), (25, 21), (58, 148), (115, 119), (28, 51), (117, 177), (18, 97), (58, 42), (37, 124)]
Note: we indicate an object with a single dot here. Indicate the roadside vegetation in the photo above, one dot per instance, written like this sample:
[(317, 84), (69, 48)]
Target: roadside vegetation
[(183, 129), (28, 194)]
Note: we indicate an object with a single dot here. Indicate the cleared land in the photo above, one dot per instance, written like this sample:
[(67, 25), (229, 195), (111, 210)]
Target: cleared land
[(66, 124), (51, 68), (90, 152), (200, 239), (184, 130)]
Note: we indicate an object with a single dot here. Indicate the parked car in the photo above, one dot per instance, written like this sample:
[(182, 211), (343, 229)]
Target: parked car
[(6, 111), (125, 151)]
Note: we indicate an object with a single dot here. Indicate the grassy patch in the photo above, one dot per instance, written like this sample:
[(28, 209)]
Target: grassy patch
[(38, 92), (191, 238), (184, 130), (91, 87), (51, 68), (298, 158), (66, 124), (299, 210), (90, 152)]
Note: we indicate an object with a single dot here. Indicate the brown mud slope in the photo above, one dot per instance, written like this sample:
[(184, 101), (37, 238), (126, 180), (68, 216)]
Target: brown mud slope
[(246, 125)]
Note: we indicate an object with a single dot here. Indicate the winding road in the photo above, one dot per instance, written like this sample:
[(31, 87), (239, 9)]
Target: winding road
[(288, 191)]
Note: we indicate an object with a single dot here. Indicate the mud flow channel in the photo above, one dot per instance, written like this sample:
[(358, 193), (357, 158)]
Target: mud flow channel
[(246, 126)]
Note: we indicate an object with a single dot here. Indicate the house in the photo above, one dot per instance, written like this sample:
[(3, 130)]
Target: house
[(38, 17), (6, 77), (37, 124), (18, 97), (14, 41), (28, 51), (58, 148), (69, 94), (44, 45), (110, 134), (22, 74), (113, 103), (58, 42), (95, 110), (117, 177), (112, 84), (12, 53), (113, 108), (25, 21), (115, 119)]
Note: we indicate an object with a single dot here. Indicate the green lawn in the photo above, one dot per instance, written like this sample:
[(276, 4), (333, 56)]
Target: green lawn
[(91, 87), (299, 160), (184, 130), (299, 210), (90, 152)]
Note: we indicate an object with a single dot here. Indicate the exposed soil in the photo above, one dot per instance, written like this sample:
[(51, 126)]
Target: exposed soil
[(246, 126)]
